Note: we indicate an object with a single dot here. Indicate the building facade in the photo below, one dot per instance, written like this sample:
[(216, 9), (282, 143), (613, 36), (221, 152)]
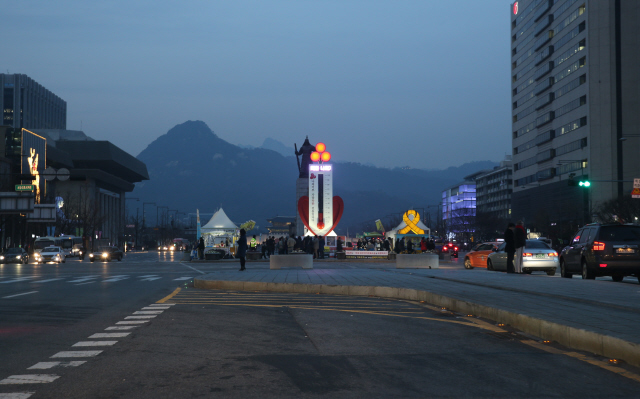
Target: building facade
[(494, 189), (459, 209), (575, 97), (27, 104)]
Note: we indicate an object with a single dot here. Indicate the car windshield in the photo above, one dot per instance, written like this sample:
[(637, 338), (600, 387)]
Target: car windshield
[(619, 233), (534, 244), (14, 250), (50, 249), (104, 249)]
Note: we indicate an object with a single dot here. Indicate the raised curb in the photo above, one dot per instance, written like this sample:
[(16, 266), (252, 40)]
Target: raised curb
[(576, 338)]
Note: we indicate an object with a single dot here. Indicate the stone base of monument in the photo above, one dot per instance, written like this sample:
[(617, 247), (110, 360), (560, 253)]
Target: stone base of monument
[(418, 261), (304, 261), (391, 256), (341, 255)]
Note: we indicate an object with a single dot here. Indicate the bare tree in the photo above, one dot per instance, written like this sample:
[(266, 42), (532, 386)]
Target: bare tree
[(622, 210), (81, 210)]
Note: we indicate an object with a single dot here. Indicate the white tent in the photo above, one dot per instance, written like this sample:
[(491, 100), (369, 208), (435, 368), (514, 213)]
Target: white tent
[(218, 229)]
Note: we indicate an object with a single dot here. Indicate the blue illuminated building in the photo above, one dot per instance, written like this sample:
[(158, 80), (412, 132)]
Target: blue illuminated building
[(459, 208)]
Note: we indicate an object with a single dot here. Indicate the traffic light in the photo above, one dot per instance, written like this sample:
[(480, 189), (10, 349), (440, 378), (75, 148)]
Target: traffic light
[(584, 183)]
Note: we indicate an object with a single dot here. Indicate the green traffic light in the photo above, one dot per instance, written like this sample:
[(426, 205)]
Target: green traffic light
[(586, 183)]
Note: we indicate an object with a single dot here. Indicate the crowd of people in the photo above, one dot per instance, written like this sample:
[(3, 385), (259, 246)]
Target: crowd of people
[(288, 244)]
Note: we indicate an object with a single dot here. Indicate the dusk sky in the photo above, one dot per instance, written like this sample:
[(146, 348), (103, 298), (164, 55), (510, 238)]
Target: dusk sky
[(422, 83)]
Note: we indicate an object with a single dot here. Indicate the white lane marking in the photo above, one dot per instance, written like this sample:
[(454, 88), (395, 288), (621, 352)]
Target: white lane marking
[(94, 343), (156, 307), (90, 282), (50, 365), (24, 293), (120, 328), (140, 317), (148, 312), (83, 279), (182, 278), (193, 268), (132, 322), (149, 275), (113, 279), (162, 304), (76, 354), (16, 395), (150, 278), (46, 281), (30, 379), (109, 335), (17, 280)]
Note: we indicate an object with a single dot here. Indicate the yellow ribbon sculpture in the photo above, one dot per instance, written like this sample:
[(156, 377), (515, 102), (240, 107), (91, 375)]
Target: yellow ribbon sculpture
[(412, 225)]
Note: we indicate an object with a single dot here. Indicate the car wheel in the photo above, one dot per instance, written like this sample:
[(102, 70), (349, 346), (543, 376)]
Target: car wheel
[(586, 273), (91, 260), (526, 271), (563, 270), (120, 258), (467, 263), (25, 261), (617, 278), (489, 265), (551, 272)]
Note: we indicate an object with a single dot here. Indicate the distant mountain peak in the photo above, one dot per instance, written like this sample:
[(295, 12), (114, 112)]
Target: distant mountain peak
[(277, 146), (195, 129)]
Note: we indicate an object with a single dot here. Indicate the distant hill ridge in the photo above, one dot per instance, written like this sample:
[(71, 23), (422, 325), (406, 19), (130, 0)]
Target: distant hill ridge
[(192, 168)]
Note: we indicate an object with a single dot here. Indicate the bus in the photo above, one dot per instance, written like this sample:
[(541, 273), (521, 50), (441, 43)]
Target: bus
[(70, 244)]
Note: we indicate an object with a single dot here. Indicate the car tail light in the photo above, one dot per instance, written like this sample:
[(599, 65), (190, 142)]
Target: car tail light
[(603, 265), (598, 246), (455, 249), (527, 254), (553, 254)]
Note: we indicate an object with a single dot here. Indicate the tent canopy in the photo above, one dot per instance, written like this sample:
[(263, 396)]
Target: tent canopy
[(219, 223)]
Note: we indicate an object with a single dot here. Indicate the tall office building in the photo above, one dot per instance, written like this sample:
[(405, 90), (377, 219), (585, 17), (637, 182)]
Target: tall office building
[(26, 104), (576, 106)]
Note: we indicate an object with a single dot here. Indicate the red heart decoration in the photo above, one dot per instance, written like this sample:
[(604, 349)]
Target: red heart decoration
[(303, 211)]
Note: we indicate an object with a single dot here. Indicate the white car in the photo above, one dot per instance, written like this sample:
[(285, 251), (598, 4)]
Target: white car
[(537, 256), (50, 254)]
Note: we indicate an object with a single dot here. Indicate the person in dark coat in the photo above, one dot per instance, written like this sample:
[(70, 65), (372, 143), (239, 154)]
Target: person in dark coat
[(321, 249), (510, 247), (339, 245), (409, 246), (242, 248), (201, 249), (521, 241), (264, 250)]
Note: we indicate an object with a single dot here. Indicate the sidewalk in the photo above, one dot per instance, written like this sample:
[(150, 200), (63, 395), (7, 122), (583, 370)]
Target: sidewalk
[(601, 317)]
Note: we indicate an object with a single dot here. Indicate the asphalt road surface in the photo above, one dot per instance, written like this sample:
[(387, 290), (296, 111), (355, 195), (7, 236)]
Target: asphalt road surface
[(137, 329)]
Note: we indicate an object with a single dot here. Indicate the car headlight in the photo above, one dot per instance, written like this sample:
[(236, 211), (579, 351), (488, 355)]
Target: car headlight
[(159, 248), (91, 255), (1, 257), (104, 254), (17, 256), (171, 249)]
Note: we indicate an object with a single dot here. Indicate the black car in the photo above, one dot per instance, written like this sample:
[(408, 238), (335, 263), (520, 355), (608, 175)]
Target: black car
[(603, 250), (106, 254), (450, 249), (15, 255)]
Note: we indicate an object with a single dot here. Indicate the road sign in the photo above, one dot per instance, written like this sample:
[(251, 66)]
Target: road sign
[(63, 174), (49, 174), (24, 187), (636, 183), (635, 193)]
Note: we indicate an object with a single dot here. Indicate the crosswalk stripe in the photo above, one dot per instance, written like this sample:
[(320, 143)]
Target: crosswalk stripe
[(132, 322), (162, 304), (140, 317), (29, 379), (16, 395), (94, 343), (182, 278), (24, 293), (156, 307), (47, 281), (49, 365), (109, 335), (17, 280), (148, 312), (76, 354), (120, 328)]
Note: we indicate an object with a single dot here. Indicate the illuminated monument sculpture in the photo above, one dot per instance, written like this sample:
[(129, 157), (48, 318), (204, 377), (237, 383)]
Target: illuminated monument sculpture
[(320, 211)]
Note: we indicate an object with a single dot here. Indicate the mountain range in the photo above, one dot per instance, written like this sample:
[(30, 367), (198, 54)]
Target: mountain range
[(191, 168)]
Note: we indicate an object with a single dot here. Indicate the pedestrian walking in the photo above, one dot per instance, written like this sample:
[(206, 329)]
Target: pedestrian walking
[(316, 246), (423, 245), (201, 249), (521, 241), (291, 243), (510, 247), (321, 244), (263, 247), (242, 249)]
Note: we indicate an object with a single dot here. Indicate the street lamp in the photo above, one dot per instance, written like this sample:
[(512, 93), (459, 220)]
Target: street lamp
[(143, 212)]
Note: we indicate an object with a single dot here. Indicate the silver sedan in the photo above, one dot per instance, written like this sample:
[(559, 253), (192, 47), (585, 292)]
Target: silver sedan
[(538, 256)]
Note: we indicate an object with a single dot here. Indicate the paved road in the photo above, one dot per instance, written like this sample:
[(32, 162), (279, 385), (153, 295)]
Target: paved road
[(103, 330)]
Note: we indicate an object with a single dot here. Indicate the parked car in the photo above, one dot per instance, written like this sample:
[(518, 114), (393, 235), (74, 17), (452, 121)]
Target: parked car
[(450, 249), (537, 256), (51, 254), (603, 250), (14, 255), (106, 254), (479, 254)]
